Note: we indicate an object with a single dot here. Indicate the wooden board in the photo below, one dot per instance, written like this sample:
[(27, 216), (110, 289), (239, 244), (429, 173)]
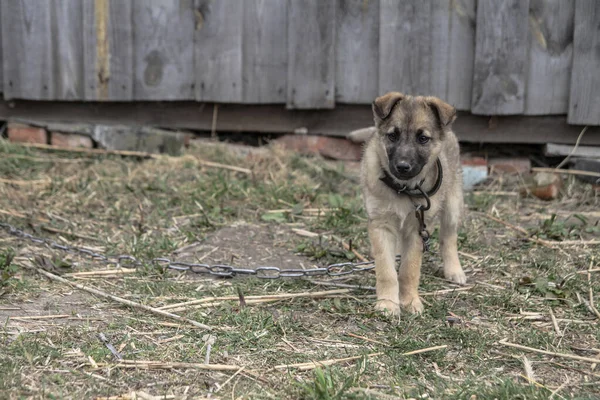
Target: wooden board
[(27, 38), (276, 119), (1, 56), (67, 33), (550, 56), (311, 54), (405, 47), (357, 51), (264, 49), (441, 48), (500, 57), (163, 32), (462, 52), (562, 150), (218, 50), (108, 50), (584, 103)]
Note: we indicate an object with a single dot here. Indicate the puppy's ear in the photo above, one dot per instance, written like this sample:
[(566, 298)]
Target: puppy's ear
[(383, 106), (444, 112)]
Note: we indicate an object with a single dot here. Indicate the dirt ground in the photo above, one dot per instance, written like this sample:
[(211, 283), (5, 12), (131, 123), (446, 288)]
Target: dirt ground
[(523, 327)]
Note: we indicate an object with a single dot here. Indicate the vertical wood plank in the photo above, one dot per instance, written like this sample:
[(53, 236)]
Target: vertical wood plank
[(357, 51), (218, 50), (500, 57), (550, 56), (584, 102), (405, 46), (1, 55), (462, 53), (311, 54), (108, 50), (26, 37), (441, 48), (163, 32), (265, 51), (67, 48)]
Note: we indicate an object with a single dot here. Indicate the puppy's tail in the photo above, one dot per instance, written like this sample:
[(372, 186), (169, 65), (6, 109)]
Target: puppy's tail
[(361, 135)]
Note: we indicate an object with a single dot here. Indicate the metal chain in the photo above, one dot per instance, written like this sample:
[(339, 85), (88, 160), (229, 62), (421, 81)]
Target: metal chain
[(221, 270)]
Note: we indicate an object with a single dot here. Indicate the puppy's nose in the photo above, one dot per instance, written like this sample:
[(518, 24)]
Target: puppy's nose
[(403, 166)]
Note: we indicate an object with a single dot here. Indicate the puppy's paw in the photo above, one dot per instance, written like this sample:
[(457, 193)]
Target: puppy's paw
[(412, 305), (456, 276), (388, 307)]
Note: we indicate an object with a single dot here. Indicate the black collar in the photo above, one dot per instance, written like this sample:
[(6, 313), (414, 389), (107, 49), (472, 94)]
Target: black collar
[(417, 192)]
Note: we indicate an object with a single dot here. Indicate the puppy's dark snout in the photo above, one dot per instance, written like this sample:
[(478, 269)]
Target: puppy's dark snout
[(403, 167)]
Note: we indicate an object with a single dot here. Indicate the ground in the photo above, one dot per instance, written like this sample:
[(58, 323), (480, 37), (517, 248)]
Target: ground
[(527, 288)]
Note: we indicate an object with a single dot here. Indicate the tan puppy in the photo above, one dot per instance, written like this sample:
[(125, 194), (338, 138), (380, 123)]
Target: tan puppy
[(412, 134)]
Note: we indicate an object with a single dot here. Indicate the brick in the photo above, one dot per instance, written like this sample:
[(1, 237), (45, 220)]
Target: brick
[(514, 165), (70, 140), (545, 186), (21, 133), (335, 148)]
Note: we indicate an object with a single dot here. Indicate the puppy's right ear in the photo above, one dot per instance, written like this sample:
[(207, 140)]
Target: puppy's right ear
[(383, 105)]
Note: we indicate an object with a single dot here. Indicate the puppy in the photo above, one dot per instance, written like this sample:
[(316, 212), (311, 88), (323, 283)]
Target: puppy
[(412, 147)]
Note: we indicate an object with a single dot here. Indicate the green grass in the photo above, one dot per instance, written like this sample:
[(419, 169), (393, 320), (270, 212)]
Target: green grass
[(154, 208)]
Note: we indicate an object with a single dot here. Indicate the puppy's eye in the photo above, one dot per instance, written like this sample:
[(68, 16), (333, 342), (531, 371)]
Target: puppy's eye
[(421, 137), (392, 136)]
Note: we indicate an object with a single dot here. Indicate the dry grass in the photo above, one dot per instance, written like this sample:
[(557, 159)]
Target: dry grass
[(531, 269)]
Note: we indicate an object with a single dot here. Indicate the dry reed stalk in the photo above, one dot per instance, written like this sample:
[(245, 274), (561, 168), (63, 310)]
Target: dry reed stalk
[(264, 297), (123, 301), (504, 342)]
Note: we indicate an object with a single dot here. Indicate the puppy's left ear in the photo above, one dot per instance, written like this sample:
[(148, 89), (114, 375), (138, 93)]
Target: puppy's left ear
[(444, 112)]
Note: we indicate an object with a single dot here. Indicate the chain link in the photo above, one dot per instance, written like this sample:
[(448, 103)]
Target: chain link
[(221, 270)]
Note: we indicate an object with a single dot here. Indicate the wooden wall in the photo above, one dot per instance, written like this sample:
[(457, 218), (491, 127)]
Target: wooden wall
[(490, 57)]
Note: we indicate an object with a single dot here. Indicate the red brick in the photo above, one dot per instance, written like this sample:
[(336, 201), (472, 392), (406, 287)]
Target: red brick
[(335, 148), (516, 165), (21, 133), (70, 140), (473, 161), (545, 186)]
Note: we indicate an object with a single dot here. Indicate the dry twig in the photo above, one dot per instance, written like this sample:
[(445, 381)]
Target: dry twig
[(145, 364), (121, 300), (250, 299), (567, 171), (591, 290), (504, 342), (316, 364)]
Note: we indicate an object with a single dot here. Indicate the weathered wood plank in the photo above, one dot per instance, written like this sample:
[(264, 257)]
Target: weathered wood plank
[(357, 51), (276, 119), (311, 54), (163, 32), (26, 37), (218, 50), (584, 102), (67, 34), (462, 53), (265, 58), (562, 150), (1, 56), (550, 56), (108, 50), (441, 48), (500, 57), (405, 46)]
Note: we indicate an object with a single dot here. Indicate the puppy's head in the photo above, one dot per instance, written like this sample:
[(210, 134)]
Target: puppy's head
[(411, 130)]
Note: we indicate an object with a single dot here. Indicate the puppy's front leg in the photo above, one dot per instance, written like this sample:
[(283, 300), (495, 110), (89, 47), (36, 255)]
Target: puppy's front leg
[(448, 238), (383, 247), (410, 271)]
